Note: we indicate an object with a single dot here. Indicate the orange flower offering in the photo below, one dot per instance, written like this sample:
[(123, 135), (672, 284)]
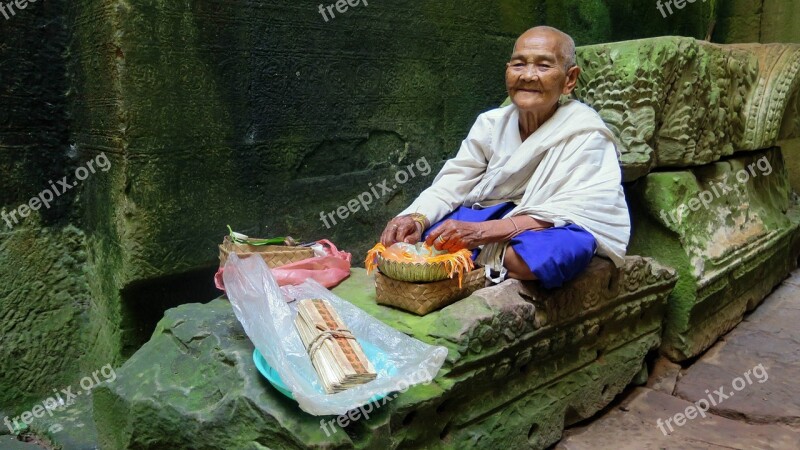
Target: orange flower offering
[(418, 262)]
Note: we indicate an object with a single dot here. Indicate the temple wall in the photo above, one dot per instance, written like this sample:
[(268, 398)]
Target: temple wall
[(44, 296), (763, 21), (258, 114), (262, 115)]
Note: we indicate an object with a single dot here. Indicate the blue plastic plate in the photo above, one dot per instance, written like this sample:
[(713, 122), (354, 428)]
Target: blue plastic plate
[(374, 354)]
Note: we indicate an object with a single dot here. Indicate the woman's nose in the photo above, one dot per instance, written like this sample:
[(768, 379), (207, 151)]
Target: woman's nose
[(529, 73)]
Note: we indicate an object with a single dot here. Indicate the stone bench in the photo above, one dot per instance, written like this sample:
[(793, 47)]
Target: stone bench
[(523, 362)]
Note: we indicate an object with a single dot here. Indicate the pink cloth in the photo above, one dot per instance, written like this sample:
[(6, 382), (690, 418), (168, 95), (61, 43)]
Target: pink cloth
[(328, 270)]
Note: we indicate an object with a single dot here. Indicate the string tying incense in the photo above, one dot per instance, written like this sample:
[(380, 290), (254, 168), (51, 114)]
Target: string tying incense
[(327, 334)]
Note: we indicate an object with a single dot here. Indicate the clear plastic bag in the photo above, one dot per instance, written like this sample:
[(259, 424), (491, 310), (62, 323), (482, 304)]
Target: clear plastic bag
[(267, 312)]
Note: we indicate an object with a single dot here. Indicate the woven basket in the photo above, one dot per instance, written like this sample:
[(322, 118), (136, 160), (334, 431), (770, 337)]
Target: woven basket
[(413, 272), (422, 298), (273, 255)]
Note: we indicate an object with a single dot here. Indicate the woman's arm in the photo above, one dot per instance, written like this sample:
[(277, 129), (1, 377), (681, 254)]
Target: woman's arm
[(454, 235)]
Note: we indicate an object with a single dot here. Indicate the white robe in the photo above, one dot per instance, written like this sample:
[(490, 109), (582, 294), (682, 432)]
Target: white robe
[(567, 171)]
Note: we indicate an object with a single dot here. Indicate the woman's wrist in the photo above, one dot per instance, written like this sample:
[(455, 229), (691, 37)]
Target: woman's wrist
[(421, 220), (496, 230), (510, 227)]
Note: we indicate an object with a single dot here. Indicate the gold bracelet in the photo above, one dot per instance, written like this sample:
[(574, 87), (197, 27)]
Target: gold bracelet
[(419, 218)]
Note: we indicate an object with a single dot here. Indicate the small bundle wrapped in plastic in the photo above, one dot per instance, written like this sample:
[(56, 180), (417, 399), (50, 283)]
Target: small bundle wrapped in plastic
[(267, 313)]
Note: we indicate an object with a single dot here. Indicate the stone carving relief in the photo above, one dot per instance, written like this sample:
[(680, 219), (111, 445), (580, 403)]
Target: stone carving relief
[(677, 102)]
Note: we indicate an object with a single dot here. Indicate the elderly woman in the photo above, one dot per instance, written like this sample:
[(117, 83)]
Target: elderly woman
[(535, 188)]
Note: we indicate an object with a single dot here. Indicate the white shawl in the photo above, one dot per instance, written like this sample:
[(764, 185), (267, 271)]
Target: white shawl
[(567, 171)]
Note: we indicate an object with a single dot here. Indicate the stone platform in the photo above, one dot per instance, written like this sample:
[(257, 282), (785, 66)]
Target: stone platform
[(523, 363)]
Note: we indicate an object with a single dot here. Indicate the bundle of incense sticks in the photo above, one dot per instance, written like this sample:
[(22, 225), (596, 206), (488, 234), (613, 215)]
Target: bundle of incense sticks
[(337, 357)]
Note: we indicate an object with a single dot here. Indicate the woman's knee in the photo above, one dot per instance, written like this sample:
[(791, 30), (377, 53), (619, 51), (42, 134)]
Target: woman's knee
[(516, 266)]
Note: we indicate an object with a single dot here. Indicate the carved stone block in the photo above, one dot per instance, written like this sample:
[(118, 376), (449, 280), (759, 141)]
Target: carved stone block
[(676, 102), (730, 229), (523, 363)]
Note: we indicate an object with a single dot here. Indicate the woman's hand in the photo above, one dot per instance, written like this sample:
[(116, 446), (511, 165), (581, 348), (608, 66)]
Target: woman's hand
[(453, 235), (402, 229)]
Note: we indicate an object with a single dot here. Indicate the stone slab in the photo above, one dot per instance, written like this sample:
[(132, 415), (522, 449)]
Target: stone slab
[(634, 425), (664, 376), (757, 364), (791, 151), (503, 317), (522, 364)]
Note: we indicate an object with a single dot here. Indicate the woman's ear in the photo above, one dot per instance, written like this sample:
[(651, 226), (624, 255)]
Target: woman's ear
[(572, 80)]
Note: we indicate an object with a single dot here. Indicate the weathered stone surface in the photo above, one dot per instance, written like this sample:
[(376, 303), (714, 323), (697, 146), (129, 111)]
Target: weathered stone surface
[(70, 426), (682, 102), (757, 21), (670, 101), (772, 111), (729, 255), (793, 279), (747, 384), (757, 365), (12, 443), (740, 21), (791, 153), (44, 301), (522, 362), (665, 376), (779, 21), (634, 425)]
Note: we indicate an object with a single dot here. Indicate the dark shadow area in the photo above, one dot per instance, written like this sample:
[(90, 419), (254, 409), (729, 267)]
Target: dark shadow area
[(143, 304)]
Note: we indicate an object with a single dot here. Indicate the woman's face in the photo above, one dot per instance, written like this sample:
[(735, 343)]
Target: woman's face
[(535, 75)]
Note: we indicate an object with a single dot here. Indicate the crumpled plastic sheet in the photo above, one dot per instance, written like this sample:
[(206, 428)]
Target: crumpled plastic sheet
[(267, 312)]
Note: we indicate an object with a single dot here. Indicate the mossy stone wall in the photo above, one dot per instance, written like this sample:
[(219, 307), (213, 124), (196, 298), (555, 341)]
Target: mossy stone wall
[(763, 21), (255, 113)]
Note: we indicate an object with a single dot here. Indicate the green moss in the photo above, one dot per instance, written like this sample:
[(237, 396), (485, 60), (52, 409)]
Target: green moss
[(44, 312), (729, 253), (764, 21), (525, 379)]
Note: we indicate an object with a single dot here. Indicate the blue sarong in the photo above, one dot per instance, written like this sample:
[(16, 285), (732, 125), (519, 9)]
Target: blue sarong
[(555, 255)]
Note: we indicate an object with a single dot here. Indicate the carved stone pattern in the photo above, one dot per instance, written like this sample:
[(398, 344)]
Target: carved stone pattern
[(674, 102), (774, 101), (509, 325)]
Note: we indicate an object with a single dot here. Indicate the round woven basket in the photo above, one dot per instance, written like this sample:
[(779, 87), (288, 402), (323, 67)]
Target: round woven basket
[(413, 272)]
